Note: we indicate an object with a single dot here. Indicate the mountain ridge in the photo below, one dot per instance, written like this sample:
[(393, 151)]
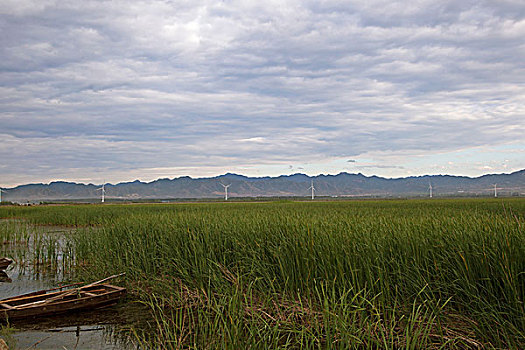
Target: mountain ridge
[(293, 185)]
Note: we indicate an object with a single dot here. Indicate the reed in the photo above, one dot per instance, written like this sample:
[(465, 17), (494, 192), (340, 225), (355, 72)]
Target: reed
[(36, 247), (14, 232), (360, 274)]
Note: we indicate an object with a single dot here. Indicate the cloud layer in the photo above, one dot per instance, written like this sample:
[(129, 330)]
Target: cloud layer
[(141, 89)]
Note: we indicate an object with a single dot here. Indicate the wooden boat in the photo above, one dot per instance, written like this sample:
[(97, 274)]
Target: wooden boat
[(48, 303), (4, 263)]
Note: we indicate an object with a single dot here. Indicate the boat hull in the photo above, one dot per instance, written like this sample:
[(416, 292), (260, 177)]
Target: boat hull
[(38, 305)]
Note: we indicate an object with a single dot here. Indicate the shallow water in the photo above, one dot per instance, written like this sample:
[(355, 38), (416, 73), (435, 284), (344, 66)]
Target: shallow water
[(99, 329), (75, 337)]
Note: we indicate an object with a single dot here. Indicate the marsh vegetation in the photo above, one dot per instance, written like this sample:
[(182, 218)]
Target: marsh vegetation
[(359, 274)]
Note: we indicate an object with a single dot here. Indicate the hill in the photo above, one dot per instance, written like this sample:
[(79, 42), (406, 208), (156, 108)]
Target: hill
[(296, 185)]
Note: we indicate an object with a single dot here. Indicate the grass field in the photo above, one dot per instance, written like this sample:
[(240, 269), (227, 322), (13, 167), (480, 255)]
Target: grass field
[(416, 274)]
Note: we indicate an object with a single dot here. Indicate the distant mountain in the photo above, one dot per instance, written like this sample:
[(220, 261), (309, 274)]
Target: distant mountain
[(296, 185)]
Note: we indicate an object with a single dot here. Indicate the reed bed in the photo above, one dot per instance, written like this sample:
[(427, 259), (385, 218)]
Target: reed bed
[(362, 274), (37, 249), (14, 232)]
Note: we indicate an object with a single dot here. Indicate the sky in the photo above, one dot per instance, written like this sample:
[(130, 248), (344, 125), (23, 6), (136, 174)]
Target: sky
[(111, 91)]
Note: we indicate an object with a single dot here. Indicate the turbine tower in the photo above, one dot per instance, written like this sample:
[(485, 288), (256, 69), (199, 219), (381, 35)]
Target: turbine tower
[(103, 189), (225, 191), (313, 189), (430, 190), (1, 191), (495, 190)]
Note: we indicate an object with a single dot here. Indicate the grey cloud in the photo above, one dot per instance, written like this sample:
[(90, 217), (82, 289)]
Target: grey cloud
[(177, 82)]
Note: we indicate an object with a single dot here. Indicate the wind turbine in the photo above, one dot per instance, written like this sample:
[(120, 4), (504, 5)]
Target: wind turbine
[(103, 189), (1, 191), (495, 190), (430, 190), (225, 191), (313, 189)]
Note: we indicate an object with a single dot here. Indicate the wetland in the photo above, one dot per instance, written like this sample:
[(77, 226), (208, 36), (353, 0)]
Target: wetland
[(43, 260), (390, 274)]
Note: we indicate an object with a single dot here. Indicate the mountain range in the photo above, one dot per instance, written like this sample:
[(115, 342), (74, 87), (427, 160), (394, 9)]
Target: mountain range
[(296, 185)]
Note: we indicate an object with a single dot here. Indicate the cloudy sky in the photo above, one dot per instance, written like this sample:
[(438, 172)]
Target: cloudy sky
[(124, 90)]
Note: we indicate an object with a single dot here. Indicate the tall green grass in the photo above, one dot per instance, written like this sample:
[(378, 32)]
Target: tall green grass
[(14, 232), (36, 247), (376, 274)]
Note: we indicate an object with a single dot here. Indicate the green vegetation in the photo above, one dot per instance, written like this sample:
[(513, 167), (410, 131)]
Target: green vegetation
[(6, 335), (361, 274)]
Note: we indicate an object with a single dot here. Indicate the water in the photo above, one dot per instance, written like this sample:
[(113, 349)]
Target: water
[(42, 258), (97, 329)]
